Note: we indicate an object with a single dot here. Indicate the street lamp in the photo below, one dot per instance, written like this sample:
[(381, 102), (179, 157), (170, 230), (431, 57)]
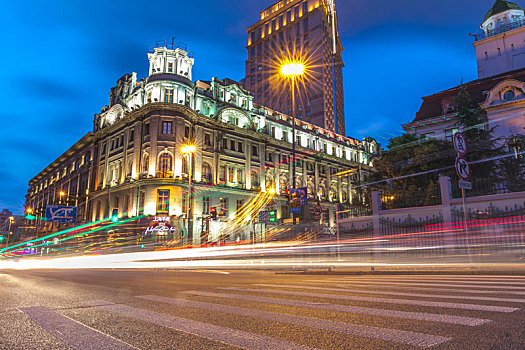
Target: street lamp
[(293, 70), (11, 219), (188, 150)]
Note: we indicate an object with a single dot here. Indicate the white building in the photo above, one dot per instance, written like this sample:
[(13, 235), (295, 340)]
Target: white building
[(500, 48), (132, 162), (500, 89)]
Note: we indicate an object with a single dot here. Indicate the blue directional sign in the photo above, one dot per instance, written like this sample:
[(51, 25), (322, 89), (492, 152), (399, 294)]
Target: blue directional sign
[(263, 217), (61, 214)]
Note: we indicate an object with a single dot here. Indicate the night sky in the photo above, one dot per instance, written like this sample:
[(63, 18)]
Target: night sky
[(60, 58)]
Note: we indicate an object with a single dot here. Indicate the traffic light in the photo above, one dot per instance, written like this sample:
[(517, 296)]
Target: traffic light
[(1, 238), (213, 213), (142, 246), (114, 215), (273, 215)]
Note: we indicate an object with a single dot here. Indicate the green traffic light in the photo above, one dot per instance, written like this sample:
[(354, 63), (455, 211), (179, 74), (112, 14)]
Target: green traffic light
[(1, 238), (142, 246), (114, 219)]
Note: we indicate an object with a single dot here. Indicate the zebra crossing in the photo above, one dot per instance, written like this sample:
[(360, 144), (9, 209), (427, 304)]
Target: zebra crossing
[(404, 299)]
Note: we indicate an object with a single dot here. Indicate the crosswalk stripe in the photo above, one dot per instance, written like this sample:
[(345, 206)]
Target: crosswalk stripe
[(494, 288), (397, 336), (221, 334), (470, 282), (384, 300), (73, 333), (411, 287), (367, 291), (420, 316)]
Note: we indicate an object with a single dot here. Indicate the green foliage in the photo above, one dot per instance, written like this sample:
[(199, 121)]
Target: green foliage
[(481, 143)]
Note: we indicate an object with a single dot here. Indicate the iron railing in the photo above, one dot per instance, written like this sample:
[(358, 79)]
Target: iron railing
[(501, 29)]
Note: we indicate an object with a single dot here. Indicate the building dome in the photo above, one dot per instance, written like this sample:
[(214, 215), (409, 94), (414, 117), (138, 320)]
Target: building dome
[(501, 6)]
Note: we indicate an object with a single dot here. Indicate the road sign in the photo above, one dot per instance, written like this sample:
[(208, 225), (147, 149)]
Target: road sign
[(317, 212), (61, 214), (466, 185), (460, 144), (297, 199), (263, 217), (463, 168)]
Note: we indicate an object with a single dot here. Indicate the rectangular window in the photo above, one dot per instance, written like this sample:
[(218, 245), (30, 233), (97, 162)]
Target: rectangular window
[(230, 175), (131, 135), (305, 7), (187, 132), (232, 145), (239, 146), (163, 200), (170, 67), (168, 96), (449, 134), (224, 205), (240, 204), (240, 177), (167, 128), (207, 139), (146, 129), (255, 151), (225, 143), (305, 25), (206, 205)]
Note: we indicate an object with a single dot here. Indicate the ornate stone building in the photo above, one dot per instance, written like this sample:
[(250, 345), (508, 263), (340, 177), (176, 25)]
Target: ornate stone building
[(132, 162)]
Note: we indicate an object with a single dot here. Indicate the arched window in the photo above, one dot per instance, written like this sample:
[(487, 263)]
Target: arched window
[(145, 163), (165, 162), (206, 172)]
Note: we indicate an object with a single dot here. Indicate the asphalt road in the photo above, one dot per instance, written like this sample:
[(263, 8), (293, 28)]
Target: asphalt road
[(101, 310)]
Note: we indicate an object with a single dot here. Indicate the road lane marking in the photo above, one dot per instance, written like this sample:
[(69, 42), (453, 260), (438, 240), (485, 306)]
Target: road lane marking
[(420, 316), (397, 336), (404, 286), (229, 336), (469, 282), (367, 291), (493, 288), (71, 332), (384, 300)]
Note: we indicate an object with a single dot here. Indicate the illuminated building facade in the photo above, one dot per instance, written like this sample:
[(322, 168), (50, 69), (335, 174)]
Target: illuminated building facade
[(132, 162), (305, 28)]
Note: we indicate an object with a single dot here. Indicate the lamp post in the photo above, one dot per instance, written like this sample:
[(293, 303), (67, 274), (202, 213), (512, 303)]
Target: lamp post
[(11, 219), (293, 70), (189, 150)]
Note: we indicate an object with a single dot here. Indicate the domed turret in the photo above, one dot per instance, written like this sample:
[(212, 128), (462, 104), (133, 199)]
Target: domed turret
[(502, 14)]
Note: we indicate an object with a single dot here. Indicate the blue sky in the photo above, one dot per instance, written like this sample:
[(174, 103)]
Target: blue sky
[(60, 58)]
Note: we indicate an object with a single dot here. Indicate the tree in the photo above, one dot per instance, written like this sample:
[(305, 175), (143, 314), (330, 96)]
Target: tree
[(411, 155), (481, 144)]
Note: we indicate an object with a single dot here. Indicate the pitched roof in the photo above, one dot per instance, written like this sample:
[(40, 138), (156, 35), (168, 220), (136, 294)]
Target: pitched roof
[(432, 105), (501, 6)]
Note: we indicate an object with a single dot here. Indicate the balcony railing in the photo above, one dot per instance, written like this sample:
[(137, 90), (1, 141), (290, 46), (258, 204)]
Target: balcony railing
[(501, 29)]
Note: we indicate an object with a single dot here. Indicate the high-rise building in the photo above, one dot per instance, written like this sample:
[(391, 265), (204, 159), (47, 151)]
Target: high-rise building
[(306, 29)]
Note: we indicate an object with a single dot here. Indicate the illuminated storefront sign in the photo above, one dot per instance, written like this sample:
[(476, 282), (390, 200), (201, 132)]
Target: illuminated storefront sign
[(160, 226)]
